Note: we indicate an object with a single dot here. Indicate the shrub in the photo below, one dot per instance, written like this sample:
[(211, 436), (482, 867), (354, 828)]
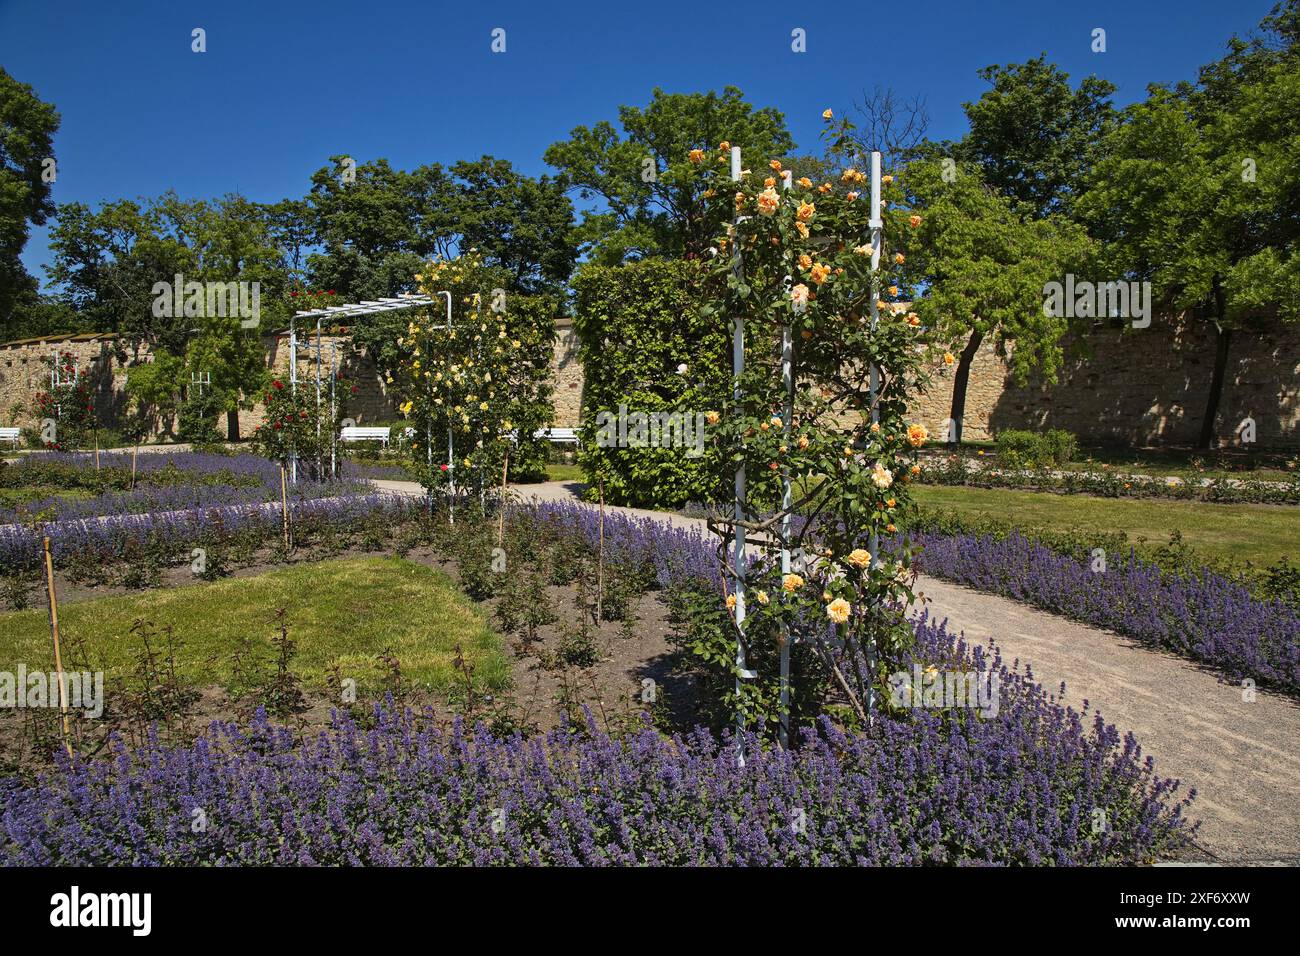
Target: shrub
[(1025, 449), (196, 420), (638, 323)]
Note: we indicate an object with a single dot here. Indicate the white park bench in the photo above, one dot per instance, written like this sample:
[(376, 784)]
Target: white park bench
[(11, 435), (360, 433), (558, 436)]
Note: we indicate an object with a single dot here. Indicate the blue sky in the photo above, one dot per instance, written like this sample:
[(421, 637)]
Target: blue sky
[(284, 85)]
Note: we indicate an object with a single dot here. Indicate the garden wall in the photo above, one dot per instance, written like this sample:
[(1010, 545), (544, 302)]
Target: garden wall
[(1141, 387), (1144, 387)]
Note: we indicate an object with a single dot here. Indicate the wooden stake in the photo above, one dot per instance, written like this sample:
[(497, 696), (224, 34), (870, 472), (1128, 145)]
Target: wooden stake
[(600, 553), (135, 450), (54, 633), (284, 505), (96, 449)]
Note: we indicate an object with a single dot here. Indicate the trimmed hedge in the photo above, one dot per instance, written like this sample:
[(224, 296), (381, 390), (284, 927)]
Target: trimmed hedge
[(637, 323)]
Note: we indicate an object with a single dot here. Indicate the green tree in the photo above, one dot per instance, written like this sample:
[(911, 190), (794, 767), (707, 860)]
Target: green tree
[(983, 265), (109, 261), (27, 128), (1034, 137), (1200, 192), (521, 224), (650, 202), (376, 225)]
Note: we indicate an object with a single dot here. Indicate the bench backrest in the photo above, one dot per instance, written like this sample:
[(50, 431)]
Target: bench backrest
[(10, 433), (360, 433)]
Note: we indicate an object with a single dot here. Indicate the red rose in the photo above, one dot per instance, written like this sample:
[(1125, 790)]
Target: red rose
[(278, 384), (443, 467)]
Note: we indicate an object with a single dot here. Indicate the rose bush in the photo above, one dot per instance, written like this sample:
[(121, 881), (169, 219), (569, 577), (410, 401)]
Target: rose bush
[(806, 258)]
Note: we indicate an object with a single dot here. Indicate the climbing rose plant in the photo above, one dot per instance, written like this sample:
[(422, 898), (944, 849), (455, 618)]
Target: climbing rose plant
[(486, 378), (806, 261), (70, 404)]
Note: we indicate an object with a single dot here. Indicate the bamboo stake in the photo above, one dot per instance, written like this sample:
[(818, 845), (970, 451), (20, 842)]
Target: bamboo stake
[(600, 554), (284, 506), (135, 450), (54, 634), (97, 448)]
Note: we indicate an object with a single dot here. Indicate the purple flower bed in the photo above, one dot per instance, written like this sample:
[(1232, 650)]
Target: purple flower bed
[(177, 497), (676, 554), (921, 787), (1020, 788), (115, 536), (205, 463), (1204, 617)]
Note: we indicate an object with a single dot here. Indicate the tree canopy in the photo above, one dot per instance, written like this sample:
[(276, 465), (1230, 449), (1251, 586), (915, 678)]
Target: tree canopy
[(649, 200)]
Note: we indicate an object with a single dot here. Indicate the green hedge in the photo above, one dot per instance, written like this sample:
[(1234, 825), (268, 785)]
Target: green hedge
[(636, 324), (1025, 449)]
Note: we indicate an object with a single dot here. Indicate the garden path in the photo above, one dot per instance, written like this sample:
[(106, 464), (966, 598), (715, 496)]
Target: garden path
[(1242, 758)]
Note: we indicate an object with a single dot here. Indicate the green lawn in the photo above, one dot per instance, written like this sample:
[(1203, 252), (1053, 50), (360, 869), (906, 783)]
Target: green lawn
[(341, 611), (1258, 533), (12, 497), (561, 472)]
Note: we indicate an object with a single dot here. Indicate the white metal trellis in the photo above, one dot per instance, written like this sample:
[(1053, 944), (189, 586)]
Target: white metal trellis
[(57, 376), (451, 442), (738, 561), (200, 380), (351, 310), (738, 569), (877, 235), (787, 498)]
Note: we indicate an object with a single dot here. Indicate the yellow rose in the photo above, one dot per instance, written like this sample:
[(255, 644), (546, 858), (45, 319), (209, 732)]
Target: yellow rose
[(792, 582), (860, 558), (839, 610)]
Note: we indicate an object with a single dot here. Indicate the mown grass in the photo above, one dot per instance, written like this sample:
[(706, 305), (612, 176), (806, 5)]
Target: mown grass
[(345, 612), (12, 497), (564, 472), (1258, 533)]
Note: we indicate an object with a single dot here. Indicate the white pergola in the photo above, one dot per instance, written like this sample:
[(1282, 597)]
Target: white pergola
[(351, 310)]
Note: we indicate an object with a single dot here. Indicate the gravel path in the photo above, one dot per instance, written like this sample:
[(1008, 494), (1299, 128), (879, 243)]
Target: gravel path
[(1242, 758)]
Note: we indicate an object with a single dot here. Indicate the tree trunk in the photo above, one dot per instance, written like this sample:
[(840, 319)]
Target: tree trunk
[(232, 425), (959, 382), (1216, 386)]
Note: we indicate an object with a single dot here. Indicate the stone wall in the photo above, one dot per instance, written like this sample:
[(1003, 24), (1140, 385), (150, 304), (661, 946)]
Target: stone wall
[(364, 396), (25, 372), (1138, 387), (1144, 387), (568, 375)]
